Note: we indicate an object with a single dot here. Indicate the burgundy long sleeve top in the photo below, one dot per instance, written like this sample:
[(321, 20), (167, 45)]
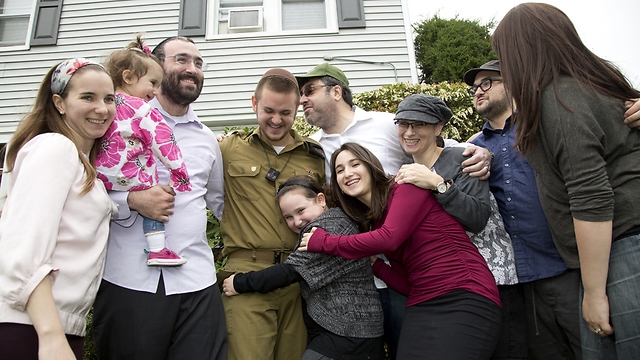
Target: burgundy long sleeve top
[(429, 252)]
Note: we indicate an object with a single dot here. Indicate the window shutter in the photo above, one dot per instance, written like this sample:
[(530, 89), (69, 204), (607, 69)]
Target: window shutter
[(351, 14), (46, 22), (192, 17)]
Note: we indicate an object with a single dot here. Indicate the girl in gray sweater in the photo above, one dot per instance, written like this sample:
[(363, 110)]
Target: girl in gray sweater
[(341, 306)]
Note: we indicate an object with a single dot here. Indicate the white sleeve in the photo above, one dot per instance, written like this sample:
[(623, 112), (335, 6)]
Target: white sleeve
[(44, 173)]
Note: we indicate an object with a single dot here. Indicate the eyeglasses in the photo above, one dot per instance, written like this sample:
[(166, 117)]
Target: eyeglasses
[(309, 90), (415, 125), (484, 85), (186, 60)]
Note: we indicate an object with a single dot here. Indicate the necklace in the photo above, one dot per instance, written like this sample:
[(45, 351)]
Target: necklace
[(273, 174)]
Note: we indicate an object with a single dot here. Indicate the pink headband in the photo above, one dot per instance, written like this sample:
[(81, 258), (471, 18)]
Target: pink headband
[(63, 73)]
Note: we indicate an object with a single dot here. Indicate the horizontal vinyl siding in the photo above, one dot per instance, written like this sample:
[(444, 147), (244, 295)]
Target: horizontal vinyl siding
[(94, 28)]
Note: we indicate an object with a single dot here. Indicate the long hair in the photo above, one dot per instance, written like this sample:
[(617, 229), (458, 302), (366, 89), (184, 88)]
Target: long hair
[(381, 185), (537, 44), (45, 118), (134, 57)]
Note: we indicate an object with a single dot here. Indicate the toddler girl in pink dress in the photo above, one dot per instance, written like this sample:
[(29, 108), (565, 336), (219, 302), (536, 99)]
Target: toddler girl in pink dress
[(125, 160)]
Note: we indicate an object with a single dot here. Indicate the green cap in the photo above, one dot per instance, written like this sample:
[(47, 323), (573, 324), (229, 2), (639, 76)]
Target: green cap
[(324, 69)]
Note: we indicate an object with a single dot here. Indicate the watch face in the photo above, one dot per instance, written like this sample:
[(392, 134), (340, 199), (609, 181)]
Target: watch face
[(442, 187)]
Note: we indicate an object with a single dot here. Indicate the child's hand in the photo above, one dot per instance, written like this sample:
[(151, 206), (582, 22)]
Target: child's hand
[(227, 286), (304, 242)]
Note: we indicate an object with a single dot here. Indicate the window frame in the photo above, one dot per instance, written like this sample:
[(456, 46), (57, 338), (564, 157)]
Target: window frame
[(269, 15), (30, 26)]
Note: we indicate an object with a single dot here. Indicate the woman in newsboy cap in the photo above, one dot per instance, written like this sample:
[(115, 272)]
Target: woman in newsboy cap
[(420, 119)]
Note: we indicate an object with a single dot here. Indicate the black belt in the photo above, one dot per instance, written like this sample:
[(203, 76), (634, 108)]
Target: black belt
[(266, 256)]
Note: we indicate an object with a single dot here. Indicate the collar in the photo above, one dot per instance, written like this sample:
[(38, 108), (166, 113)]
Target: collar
[(297, 139), (190, 116), (487, 130), (358, 115)]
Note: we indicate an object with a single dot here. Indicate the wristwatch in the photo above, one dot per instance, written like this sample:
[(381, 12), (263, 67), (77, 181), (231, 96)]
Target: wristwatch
[(442, 187)]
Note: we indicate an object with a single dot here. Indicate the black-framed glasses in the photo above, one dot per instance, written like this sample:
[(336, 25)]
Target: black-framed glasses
[(181, 59), (309, 90), (484, 85), (415, 125)]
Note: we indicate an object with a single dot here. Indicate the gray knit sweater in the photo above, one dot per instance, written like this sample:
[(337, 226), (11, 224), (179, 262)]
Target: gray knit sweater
[(341, 295)]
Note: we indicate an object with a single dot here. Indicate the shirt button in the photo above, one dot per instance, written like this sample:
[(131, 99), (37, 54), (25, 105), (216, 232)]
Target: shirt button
[(504, 149), (508, 181), (280, 221), (512, 217), (506, 165), (504, 134), (509, 198)]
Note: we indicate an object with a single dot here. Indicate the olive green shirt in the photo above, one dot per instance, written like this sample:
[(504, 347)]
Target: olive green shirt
[(252, 218)]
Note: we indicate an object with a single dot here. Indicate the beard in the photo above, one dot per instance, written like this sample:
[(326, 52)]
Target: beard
[(176, 92), (494, 108)]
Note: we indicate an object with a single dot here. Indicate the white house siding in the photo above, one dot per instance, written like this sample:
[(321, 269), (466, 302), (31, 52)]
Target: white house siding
[(94, 28)]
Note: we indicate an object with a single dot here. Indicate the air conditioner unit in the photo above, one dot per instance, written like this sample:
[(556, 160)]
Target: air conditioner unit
[(245, 18)]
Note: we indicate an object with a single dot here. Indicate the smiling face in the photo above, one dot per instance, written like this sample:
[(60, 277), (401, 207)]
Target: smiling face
[(89, 106), (182, 83), (353, 177), (146, 86), (299, 210), (276, 112), (419, 137)]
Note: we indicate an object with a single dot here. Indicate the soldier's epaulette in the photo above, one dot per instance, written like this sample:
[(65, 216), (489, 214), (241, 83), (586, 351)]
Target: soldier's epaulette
[(315, 149)]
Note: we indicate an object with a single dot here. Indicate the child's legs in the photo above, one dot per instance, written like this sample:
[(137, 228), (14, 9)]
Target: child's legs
[(150, 225), (154, 232)]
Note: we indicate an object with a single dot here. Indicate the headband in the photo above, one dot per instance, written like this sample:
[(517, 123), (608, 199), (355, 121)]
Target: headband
[(296, 182), (65, 70), (145, 49)]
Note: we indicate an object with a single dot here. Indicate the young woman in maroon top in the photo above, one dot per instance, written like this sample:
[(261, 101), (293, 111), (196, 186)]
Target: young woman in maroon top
[(453, 310)]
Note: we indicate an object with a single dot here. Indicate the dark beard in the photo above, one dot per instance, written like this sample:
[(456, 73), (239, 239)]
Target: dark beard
[(178, 95), (494, 109)]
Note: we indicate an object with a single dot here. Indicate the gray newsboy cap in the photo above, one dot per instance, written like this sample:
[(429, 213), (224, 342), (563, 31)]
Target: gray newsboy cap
[(470, 76), (426, 108)]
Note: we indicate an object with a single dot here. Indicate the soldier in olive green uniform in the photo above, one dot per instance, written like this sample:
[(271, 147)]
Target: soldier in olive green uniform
[(255, 235)]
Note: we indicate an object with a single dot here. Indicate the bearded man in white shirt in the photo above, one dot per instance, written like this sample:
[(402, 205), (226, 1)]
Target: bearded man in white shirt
[(144, 312)]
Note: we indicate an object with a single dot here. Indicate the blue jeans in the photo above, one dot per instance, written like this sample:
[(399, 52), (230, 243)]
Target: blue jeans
[(149, 225), (623, 290), (393, 307)]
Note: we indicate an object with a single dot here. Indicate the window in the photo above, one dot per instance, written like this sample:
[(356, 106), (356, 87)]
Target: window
[(230, 17), (303, 14), (15, 16)]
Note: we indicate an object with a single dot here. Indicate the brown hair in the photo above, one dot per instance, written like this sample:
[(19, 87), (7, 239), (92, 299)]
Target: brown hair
[(381, 185), (537, 44), (303, 184), (279, 84), (45, 118), (158, 51), (134, 57)]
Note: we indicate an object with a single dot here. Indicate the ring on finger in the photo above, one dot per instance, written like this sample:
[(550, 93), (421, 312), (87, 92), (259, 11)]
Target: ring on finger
[(597, 331)]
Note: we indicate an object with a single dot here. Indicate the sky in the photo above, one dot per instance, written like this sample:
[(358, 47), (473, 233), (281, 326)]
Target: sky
[(611, 28)]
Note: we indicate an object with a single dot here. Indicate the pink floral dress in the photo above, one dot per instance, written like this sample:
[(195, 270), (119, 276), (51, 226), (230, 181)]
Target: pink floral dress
[(125, 160)]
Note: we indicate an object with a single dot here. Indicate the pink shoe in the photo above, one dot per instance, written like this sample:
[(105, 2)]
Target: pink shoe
[(165, 257)]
